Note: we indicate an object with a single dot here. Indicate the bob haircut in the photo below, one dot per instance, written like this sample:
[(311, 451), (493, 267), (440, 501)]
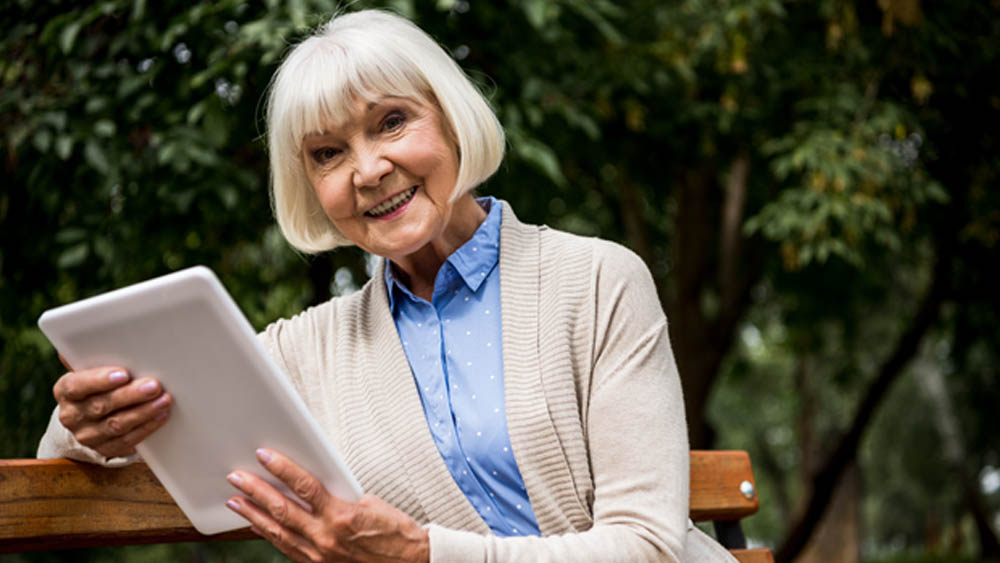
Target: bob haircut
[(364, 56)]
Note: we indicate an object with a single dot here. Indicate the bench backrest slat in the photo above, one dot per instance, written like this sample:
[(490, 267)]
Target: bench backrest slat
[(58, 504), (716, 479)]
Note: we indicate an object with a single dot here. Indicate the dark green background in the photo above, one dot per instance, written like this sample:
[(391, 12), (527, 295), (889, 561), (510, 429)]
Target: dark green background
[(813, 185)]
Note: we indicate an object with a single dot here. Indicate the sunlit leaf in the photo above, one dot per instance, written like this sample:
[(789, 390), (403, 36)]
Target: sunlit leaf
[(73, 256)]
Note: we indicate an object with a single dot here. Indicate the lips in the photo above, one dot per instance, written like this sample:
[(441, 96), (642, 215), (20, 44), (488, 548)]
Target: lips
[(392, 204)]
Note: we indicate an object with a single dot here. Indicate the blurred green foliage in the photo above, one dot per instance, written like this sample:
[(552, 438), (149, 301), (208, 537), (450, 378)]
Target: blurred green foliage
[(788, 169)]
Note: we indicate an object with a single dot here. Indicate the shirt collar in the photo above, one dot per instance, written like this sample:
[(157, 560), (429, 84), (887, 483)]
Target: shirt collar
[(473, 261)]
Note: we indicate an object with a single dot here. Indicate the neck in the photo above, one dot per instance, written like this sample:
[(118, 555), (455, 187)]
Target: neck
[(419, 270)]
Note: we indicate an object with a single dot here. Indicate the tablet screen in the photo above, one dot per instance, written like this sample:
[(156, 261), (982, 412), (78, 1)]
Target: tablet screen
[(229, 397)]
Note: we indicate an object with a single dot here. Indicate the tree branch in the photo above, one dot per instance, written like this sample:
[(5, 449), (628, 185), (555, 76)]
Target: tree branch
[(731, 235), (827, 478)]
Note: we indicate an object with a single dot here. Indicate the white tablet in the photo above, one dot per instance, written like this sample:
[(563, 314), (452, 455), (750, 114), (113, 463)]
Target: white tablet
[(229, 397)]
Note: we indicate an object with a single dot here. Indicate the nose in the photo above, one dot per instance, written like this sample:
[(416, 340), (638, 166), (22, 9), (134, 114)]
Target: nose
[(370, 167)]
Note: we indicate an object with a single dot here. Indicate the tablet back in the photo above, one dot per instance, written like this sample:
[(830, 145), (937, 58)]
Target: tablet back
[(229, 397)]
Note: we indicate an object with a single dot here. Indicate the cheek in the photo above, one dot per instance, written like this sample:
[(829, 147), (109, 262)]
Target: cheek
[(333, 198), (437, 165), (427, 151)]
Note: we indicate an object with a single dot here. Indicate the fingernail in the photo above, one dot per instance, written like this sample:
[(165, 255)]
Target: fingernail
[(234, 479), (232, 504), (161, 402), (264, 456), (148, 387), (117, 376)]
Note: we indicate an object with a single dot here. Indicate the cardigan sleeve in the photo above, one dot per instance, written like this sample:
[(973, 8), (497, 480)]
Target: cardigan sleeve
[(636, 437)]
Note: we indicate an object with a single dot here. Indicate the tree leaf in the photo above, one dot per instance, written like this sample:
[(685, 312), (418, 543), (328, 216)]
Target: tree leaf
[(96, 157), (73, 256), (68, 35)]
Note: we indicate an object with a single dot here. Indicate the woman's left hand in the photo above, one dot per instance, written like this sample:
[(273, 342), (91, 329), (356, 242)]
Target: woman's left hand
[(332, 529)]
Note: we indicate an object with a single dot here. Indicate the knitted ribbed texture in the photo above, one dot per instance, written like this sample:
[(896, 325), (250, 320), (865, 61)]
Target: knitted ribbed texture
[(541, 402), (370, 374), (587, 364), (356, 380), (594, 407)]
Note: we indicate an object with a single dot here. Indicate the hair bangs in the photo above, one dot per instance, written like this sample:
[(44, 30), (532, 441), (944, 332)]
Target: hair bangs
[(356, 58), (332, 78)]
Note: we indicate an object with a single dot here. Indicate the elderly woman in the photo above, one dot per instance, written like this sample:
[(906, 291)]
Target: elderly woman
[(502, 391)]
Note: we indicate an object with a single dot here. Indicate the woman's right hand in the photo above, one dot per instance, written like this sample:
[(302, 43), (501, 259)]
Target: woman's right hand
[(109, 412)]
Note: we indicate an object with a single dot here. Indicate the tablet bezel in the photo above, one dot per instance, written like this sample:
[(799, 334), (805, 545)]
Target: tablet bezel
[(186, 331)]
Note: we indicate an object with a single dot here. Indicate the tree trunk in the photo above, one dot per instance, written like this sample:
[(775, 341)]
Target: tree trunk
[(691, 245), (956, 455), (707, 237), (837, 538), (845, 453)]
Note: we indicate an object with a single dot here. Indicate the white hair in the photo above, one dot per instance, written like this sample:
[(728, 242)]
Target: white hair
[(366, 55)]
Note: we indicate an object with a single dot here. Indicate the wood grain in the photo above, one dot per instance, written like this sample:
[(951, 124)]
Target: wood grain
[(715, 485), (58, 504), (759, 555), (53, 504)]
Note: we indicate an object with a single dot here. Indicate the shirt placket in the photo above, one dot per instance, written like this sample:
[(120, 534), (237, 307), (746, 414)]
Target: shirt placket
[(433, 382)]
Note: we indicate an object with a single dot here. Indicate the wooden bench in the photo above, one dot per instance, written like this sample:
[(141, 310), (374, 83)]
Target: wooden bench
[(60, 504)]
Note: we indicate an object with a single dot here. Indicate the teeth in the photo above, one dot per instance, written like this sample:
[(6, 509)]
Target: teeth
[(392, 204)]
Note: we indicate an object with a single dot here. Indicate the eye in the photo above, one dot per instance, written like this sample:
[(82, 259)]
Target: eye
[(324, 154), (394, 120)]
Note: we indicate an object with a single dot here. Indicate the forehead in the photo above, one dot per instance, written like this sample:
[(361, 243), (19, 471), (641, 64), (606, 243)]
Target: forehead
[(324, 84)]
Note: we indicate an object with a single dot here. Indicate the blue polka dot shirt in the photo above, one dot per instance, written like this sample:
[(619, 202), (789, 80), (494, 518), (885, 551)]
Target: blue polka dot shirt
[(454, 348)]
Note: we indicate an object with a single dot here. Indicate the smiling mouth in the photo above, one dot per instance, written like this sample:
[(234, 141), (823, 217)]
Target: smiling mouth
[(392, 204)]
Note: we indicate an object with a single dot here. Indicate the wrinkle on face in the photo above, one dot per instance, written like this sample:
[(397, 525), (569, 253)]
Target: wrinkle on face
[(385, 148)]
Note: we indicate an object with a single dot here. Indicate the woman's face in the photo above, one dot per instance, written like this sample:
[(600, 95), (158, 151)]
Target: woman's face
[(385, 177)]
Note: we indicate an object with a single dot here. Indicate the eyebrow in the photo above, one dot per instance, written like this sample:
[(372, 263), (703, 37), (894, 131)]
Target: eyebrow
[(368, 108)]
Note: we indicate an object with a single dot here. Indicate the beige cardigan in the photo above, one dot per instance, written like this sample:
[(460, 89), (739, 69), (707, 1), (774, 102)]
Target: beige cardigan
[(594, 407)]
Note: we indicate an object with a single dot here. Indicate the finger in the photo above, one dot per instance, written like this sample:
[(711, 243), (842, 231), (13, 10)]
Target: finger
[(288, 541), (125, 445), (302, 483), (65, 363), (74, 414), (123, 421), (270, 501), (78, 385)]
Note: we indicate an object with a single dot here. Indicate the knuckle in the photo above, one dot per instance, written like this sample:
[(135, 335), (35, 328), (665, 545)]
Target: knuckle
[(69, 416), (274, 533), (325, 543), (278, 510), (66, 387), (115, 426), (98, 407), (347, 519), (305, 487), (88, 437)]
